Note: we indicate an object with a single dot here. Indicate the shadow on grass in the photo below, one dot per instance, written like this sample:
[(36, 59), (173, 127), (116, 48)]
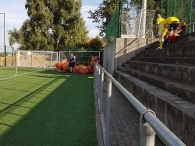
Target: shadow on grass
[(63, 117)]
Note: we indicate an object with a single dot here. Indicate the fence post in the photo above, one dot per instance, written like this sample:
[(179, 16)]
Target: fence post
[(108, 109), (191, 25), (101, 91), (95, 76), (147, 134), (99, 78), (174, 11)]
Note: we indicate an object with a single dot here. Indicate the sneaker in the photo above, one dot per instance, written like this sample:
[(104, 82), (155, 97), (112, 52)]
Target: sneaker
[(158, 48)]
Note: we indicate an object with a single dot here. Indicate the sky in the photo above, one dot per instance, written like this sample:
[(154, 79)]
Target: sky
[(15, 15)]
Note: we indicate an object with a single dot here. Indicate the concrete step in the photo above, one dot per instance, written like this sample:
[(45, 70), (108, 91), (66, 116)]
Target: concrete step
[(176, 113), (184, 51), (177, 88), (186, 37), (181, 73), (168, 60), (181, 41)]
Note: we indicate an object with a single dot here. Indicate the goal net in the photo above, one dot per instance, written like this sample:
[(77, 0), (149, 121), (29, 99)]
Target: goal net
[(82, 57), (135, 25), (35, 59)]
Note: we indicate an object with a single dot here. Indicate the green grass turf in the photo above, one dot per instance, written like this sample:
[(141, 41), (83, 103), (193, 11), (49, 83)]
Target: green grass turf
[(45, 108)]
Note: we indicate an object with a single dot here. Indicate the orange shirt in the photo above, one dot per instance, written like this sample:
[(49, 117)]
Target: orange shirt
[(84, 70), (77, 69)]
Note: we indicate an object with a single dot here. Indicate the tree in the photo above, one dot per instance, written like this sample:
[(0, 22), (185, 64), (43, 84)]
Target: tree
[(103, 14), (106, 9), (96, 43), (92, 43), (52, 25)]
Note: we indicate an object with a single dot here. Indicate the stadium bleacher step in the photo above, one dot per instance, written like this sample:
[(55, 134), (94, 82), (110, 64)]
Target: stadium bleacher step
[(164, 80), (168, 60), (181, 41), (179, 51), (172, 110), (177, 88), (185, 74)]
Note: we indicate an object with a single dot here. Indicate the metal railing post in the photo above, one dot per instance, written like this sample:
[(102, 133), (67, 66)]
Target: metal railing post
[(98, 81), (95, 75), (147, 134), (108, 109), (101, 91)]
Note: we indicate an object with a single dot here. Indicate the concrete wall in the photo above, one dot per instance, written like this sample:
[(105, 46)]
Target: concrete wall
[(112, 61)]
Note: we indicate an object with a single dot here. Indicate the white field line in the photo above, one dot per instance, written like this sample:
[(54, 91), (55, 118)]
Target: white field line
[(19, 75)]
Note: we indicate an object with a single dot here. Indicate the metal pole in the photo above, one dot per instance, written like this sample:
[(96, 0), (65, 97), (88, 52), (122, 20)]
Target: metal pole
[(119, 20), (174, 8), (4, 41), (101, 91), (161, 7), (147, 134), (95, 77), (144, 7), (44, 60), (12, 56), (16, 63), (108, 109), (190, 29), (51, 60)]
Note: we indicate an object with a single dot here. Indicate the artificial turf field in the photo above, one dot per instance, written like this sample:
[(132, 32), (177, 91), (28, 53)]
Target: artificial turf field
[(46, 108)]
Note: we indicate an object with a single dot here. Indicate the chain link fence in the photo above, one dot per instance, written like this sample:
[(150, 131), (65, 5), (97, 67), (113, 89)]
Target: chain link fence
[(183, 9)]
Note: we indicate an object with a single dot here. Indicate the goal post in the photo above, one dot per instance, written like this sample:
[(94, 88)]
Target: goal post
[(35, 59), (82, 57)]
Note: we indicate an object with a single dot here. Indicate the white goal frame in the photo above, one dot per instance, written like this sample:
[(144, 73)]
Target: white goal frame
[(36, 59)]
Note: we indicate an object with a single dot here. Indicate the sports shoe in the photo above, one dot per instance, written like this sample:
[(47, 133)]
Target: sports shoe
[(158, 48)]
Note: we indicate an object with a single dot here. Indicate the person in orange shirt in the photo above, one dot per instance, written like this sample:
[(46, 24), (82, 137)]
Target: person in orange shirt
[(65, 65), (77, 69), (183, 27), (97, 59), (84, 69)]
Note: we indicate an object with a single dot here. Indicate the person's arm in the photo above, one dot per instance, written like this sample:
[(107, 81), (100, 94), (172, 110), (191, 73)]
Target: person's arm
[(74, 59)]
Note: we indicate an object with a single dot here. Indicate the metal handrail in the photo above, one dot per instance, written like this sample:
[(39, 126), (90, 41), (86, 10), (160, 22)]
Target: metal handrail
[(167, 136)]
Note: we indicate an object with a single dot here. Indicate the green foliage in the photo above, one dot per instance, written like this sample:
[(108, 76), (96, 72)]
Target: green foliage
[(103, 14), (52, 25), (94, 44)]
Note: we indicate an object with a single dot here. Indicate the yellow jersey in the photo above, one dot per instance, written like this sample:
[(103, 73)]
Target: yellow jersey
[(159, 20), (171, 20)]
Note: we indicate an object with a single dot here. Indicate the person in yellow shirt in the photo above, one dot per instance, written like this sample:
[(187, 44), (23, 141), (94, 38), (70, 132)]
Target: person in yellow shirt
[(162, 31), (159, 19), (172, 24)]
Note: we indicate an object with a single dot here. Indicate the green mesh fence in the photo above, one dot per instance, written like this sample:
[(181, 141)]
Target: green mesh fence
[(183, 9), (113, 28)]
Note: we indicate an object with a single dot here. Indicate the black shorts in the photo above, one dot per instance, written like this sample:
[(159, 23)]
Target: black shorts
[(72, 64), (174, 26)]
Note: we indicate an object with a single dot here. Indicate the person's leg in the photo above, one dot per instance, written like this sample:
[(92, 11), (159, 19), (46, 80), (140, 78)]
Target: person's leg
[(170, 34), (70, 69), (175, 31), (159, 37)]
